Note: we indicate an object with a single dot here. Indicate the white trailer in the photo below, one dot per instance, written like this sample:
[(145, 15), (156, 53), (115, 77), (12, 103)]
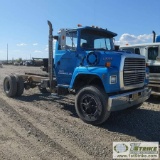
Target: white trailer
[(151, 51)]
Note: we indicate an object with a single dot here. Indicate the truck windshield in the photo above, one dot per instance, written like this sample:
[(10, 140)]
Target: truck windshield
[(96, 40), (128, 49)]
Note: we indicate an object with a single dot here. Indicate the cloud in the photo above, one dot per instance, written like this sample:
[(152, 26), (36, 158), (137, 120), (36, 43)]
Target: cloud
[(21, 44), (37, 51), (132, 39), (35, 44)]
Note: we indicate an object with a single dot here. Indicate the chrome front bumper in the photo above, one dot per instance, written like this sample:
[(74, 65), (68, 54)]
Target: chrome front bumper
[(129, 99)]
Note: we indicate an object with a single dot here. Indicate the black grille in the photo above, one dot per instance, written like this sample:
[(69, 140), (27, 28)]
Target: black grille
[(154, 69), (134, 71)]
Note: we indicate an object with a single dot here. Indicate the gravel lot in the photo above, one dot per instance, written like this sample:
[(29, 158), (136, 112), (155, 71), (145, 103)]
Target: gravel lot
[(40, 126)]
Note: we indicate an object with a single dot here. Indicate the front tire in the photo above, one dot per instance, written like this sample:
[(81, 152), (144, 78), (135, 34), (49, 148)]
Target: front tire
[(91, 105)]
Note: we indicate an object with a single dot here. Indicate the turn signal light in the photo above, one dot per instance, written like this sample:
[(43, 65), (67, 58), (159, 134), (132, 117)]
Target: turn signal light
[(108, 64), (79, 25)]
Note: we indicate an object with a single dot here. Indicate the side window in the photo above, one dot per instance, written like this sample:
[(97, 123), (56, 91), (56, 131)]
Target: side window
[(71, 40), (83, 43), (152, 53), (137, 50), (67, 40)]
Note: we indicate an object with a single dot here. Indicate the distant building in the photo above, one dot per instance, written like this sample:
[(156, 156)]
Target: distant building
[(1, 65)]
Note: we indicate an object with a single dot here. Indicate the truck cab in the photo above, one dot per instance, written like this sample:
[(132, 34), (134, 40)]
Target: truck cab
[(81, 51)]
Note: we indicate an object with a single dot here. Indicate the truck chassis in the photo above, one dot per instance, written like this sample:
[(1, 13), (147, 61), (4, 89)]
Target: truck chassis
[(92, 102)]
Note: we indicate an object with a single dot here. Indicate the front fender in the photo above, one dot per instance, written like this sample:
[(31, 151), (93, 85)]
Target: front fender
[(102, 72)]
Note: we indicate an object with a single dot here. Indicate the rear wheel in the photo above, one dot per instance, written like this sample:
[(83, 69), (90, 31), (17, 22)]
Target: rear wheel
[(10, 86), (20, 85), (91, 105)]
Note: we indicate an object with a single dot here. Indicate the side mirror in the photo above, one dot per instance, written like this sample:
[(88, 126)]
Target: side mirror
[(62, 39)]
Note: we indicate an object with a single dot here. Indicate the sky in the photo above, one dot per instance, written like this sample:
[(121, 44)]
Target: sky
[(23, 23)]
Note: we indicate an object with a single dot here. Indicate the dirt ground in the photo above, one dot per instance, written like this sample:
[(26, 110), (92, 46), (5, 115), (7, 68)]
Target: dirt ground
[(45, 127)]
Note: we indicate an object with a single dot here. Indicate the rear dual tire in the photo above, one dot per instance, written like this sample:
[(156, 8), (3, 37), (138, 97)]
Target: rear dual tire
[(13, 85), (20, 85), (9, 85)]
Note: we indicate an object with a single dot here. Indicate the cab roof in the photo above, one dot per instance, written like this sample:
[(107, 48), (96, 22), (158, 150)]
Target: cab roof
[(89, 29)]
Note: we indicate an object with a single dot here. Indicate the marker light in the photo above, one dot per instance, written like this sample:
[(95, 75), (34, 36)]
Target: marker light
[(108, 64), (63, 37), (79, 25)]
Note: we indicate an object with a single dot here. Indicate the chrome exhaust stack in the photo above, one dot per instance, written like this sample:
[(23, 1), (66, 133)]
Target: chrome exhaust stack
[(154, 36), (50, 56)]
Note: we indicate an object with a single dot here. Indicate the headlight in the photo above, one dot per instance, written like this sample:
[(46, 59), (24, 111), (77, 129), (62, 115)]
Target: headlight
[(113, 79)]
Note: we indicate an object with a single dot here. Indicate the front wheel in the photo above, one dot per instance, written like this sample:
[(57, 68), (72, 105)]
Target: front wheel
[(91, 105)]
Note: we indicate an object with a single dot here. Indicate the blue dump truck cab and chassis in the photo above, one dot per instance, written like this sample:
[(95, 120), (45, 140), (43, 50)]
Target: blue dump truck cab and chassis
[(83, 61)]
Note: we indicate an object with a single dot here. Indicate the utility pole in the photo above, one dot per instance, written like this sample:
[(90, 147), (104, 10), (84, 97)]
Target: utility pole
[(7, 53)]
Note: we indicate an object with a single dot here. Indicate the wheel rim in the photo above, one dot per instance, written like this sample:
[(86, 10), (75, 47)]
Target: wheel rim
[(90, 107)]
